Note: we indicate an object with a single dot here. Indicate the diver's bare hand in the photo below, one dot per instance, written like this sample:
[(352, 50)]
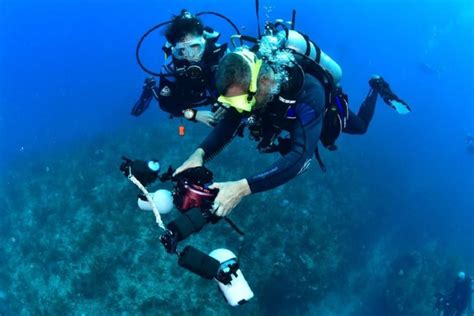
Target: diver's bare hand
[(195, 160), (206, 117), (230, 194)]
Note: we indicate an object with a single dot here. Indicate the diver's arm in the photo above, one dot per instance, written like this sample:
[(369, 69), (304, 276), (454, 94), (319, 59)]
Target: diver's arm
[(214, 142), (221, 135), (304, 139)]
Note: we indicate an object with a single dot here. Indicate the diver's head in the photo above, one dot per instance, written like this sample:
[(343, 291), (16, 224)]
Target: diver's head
[(182, 26), (185, 33), (244, 81)]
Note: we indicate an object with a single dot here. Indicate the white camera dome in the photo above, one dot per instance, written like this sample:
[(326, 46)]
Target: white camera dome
[(163, 200)]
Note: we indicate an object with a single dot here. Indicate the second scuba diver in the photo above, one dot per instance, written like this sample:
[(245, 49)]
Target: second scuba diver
[(457, 301), (269, 92), (186, 80)]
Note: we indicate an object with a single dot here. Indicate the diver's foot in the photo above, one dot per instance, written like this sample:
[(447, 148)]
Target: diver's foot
[(379, 85)]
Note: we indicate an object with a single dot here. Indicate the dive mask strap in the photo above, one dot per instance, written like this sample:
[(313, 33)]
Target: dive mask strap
[(241, 102), (255, 69)]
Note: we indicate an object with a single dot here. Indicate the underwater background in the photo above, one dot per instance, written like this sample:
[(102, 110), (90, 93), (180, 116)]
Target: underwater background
[(389, 225)]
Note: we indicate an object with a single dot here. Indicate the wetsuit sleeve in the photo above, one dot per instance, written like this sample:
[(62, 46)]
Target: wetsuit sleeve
[(304, 137), (222, 134)]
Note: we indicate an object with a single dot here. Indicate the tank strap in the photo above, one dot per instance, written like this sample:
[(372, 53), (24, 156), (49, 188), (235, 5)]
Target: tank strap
[(308, 48), (308, 45), (318, 52)]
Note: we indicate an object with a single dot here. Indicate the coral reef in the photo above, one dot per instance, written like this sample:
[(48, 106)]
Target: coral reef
[(74, 242)]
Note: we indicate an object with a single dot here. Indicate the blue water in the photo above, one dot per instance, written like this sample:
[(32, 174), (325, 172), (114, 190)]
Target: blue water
[(68, 76)]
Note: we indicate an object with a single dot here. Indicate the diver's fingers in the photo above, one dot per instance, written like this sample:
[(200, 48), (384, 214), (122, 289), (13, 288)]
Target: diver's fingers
[(210, 115), (186, 165), (219, 113), (209, 122), (215, 185), (221, 211), (216, 208), (180, 169)]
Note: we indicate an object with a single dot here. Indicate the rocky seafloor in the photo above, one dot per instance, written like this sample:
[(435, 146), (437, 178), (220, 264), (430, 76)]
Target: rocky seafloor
[(74, 242)]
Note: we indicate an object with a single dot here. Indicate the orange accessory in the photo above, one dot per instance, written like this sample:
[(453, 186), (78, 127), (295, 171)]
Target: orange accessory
[(181, 130)]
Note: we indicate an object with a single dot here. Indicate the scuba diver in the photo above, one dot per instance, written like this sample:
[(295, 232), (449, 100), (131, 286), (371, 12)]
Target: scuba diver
[(186, 80), (269, 92), (289, 98), (457, 301), (470, 144)]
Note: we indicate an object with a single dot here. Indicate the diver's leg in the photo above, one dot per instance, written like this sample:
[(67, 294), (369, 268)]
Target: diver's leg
[(358, 124)]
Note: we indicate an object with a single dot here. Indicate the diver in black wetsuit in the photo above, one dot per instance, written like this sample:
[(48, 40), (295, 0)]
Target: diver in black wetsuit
[(274, 107), (457, 301), (187, 77)]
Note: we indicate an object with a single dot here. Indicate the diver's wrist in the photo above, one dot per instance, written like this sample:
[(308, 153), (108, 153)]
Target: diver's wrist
[(190, 114), (244, 187), (199, 153)]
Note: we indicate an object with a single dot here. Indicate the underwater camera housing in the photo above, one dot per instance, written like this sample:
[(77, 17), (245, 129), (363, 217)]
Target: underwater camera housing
[(191, 189), (193, 199)]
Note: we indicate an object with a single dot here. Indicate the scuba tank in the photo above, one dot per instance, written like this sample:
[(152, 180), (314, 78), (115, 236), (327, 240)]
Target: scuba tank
[(314, 61), (305, 46), (302, 45)]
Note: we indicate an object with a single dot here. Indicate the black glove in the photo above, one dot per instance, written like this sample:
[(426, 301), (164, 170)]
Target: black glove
[(141, 170)]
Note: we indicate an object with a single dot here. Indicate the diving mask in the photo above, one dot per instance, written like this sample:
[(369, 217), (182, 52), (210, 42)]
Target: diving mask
[(240, 103), (191, 50)]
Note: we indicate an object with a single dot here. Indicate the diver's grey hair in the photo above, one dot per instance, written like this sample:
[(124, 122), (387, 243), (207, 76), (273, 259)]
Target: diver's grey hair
[(234, 70)]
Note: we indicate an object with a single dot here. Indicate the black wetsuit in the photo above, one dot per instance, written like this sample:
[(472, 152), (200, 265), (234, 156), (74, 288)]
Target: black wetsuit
[(459, 297), (358, 124), (178, 93), (180, 87), (304, 134)]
